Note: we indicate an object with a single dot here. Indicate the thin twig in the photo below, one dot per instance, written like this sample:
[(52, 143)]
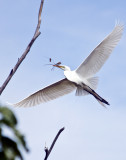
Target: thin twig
[(52, 145), (36, 34)]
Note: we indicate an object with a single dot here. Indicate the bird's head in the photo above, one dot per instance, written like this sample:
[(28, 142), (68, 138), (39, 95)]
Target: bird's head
[(63, 67)]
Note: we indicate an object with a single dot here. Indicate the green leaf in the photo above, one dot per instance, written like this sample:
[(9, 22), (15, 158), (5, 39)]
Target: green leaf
[(21, 139), (7, 116), (10, 148), (2, 156)]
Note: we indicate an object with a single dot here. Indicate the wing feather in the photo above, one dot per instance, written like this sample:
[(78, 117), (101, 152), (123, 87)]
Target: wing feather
[(48, 93), (100, 54)]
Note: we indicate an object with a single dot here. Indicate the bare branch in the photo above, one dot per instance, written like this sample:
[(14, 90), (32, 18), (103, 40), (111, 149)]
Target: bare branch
[(36, 34), (52, 145)]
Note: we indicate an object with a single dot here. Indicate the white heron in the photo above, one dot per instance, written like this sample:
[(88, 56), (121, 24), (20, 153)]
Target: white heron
[(82, 79)]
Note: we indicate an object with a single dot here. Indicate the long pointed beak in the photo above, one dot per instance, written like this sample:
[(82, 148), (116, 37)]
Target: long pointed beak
[(57, 66)]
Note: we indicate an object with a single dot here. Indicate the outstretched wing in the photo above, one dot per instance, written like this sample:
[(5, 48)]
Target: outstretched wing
[(48, 93), (100, 54)]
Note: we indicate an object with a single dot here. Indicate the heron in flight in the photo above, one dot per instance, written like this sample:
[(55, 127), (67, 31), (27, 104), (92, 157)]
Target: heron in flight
[(82, 79)]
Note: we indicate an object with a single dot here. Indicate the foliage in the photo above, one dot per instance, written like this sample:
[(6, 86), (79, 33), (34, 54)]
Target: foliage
[(10, 147)]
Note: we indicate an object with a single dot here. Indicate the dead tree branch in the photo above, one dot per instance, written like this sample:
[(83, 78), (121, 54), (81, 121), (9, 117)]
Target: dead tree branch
[(36, 34), (52, 145)]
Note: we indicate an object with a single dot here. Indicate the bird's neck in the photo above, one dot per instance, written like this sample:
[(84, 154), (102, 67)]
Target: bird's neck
[(69, 75)]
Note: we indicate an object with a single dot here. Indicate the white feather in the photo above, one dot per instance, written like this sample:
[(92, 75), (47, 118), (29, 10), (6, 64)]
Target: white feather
[(100, 54), (48, 93)]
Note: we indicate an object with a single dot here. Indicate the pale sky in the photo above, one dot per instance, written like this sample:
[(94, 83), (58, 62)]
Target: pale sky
[(70, 31)]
